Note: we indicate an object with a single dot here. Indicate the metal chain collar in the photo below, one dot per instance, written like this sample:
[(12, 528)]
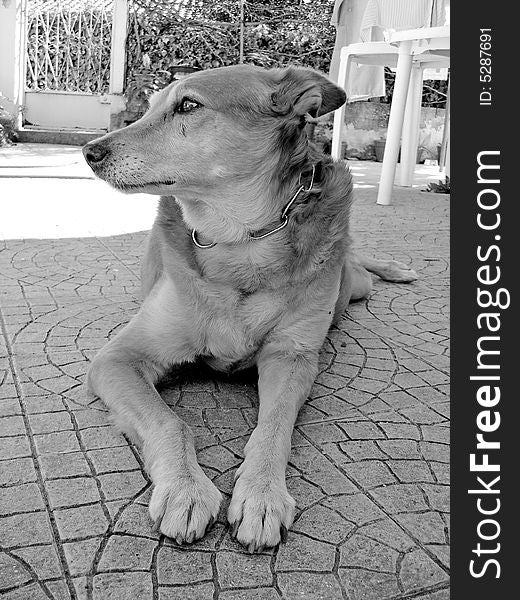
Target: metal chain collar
[(284, 217)]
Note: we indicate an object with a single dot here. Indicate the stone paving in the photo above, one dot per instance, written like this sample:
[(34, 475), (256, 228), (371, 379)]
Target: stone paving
[(369, 466)]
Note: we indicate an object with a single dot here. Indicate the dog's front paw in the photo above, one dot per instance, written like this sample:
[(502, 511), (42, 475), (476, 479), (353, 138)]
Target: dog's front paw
[(260, 512), (184, 508), (397, 272)]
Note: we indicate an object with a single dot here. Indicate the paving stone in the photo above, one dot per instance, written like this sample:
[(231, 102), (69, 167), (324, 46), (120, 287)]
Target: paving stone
[(243, 570), (441, 472), (438, 496), (101, 437), (43, 404), (135, 519), (25, 529), (441, 551), (43, 560), (362, 449), (91, 418), (370, 473), (115, 507), (12, 573), (319, 470), (356, 508), (122, 586), (419, 571), (118, 459), (125, 552), (362, 431), (304, 492), (422, 415), (389, 533), (401, 431), (435, 452), (62, 441), (17, 470), (72, 491), (20, 498), (176, 566), (400, 449), (80, 586), (67, 464), (309, 586), (258, 594), (33, 591), (361, 584), (427, 527), (80, 555), (84, 521), (49, 423), (440, 595), (400, 498), (219, 457), (365, 553), (14, 447), (9, 406), (324, 524), (436, 433), (200, 591), (13, 425), (301, 553), (408, 471), (117, 486), (324, 432), (59, 590)]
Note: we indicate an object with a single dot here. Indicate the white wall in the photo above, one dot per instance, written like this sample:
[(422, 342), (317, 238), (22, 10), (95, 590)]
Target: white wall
[(11, 54), (67, 110)]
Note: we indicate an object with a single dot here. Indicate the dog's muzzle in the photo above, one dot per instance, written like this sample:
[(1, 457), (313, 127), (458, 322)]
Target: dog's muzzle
[(95, 153)]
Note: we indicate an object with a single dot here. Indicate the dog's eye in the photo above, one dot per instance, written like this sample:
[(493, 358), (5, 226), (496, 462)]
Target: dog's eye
[(187, 105)]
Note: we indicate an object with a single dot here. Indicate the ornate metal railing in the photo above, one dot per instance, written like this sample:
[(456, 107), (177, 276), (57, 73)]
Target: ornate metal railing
[(68, 45)]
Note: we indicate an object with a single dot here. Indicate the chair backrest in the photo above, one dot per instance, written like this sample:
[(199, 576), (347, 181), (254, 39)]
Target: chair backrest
[(383, 17), (440, 13)]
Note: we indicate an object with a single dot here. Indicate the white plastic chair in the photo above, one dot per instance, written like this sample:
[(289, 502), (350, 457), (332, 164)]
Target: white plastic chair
[(417, 49), (410, 51)]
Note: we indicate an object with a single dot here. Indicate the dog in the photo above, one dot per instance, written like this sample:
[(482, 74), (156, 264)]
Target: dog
[(249, 262)]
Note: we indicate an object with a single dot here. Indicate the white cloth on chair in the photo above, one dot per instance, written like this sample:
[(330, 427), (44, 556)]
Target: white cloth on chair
[(368, 21), (382, 16), (385, 16), (366, 81)]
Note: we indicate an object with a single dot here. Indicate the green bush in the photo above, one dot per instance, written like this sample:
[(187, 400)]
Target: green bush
[(211, 34), (443, 187), (7, 128)]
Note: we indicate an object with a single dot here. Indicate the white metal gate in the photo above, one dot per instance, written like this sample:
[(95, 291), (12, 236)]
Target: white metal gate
[(74, 62)]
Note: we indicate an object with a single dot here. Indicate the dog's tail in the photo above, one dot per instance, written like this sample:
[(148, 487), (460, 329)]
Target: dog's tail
[(389, 270)]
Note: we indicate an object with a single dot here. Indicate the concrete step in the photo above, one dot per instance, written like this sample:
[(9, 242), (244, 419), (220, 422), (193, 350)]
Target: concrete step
[(68, 137)]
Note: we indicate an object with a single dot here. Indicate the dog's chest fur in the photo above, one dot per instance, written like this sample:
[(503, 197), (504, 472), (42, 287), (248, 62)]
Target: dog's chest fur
[(231, 296), (248, 268), (234, 296)]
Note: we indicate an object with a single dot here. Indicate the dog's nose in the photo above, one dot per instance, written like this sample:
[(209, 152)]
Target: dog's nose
[(94, 153)]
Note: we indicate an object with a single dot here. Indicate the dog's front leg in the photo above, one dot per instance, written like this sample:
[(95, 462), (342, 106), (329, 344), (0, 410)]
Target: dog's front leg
[(184, 500), (261, 509)]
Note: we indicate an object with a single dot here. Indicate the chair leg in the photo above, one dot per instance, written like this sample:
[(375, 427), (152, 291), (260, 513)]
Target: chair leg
[(395, 123), (447, 158), (445, 130), (412, 120), (339, 115)]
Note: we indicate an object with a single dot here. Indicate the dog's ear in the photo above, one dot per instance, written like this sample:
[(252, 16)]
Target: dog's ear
[(306, 92)]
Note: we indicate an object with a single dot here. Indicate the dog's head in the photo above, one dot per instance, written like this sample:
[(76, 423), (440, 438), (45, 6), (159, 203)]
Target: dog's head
[(213, 126)]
